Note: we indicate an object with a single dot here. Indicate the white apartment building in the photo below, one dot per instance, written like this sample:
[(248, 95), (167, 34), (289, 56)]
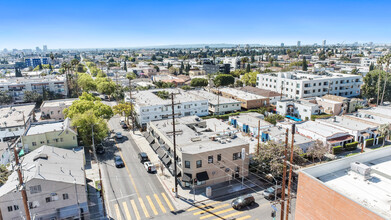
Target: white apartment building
[(53, 109), (218, 104), (298, 85), (16, 86), (150, 107), (55, 185), (14, 119), (300, 108)]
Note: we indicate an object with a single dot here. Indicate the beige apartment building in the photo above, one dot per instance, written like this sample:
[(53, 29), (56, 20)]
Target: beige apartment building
[(53, 109), (57, 134), (207, 153)]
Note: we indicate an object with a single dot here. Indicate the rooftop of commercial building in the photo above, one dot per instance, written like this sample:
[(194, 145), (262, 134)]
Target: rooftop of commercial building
[(49, 163), (261, 92), (57, 103), (278, 133), (373, 193), (298, 102), (213, 98), (310, 76), (241, 94), (149, 97), (318, 128), (15, 115), (252, 119), (199, 139), (35, 79), (381, 111), (334, 98), (44, 127), (346, 122)]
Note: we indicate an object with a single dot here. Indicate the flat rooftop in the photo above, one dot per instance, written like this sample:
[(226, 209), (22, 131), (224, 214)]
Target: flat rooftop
[(35, 79), (374, 193), (346, 122), (242, 94), (44, 127), (198, 140), (57, 103), (149, 98), (381, 111), (252, 119), (12, 115), (213, 98), (261, 92), (310, 76), (319, 128)]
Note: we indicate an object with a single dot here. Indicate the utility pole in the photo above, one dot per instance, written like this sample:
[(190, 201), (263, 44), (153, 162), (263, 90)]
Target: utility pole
[(218, 101), (259, 126), (174, 138), (284, 175), (290, 173), (22, 186)]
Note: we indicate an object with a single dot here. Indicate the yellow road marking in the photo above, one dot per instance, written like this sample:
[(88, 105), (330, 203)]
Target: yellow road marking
[(229, 216), (244, 217), (143, 207), (210, 209), (127, 213), (135, 209), (216, 213), (168, 202), (117, 211), (152, 205), (160, 203), (202, 206)]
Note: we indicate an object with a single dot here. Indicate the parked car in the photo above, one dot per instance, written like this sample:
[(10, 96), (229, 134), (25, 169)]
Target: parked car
[(125, 126), (100, 149), (122, 122), (118, 135), (271, 191), (243, 201), (150, 167), (118, 162), (143, 157)]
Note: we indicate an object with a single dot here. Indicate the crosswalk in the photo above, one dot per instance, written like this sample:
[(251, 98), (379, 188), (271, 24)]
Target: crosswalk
[(141, 207), (216, 210)]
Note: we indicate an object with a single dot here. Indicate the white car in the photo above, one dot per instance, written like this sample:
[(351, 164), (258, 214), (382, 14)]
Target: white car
[(118, 135), (150, 167)]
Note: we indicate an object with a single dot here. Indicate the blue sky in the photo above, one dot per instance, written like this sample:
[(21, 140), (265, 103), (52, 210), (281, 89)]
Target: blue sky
[(112, 23)]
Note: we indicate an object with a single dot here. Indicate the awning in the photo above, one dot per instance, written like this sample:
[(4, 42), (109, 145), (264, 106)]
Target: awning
[(166, 160), (178, 171), (155, 146), (160, 152), (145, 134), (150, 139), (202, 176), (187, 177)]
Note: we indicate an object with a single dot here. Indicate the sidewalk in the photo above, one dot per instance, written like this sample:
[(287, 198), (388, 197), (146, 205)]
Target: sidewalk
[(186, 196), (94, 200)]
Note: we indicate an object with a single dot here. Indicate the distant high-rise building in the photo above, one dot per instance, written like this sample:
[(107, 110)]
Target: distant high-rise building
[(45, 48), (282, 44), (298, 43), (324, 43), (37, 49)]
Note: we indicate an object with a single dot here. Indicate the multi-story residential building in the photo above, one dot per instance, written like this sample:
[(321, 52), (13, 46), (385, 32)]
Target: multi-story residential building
[(297, 108), (273, 96), (33, 62), (150, 107), (57, 134), (216, 68), (298, 85), (248, 123), (355, 187), (335, 105), (207, 153), (53, 109), (14, 119), (248, 100), (55, 184), (17, 86), (218, 104)]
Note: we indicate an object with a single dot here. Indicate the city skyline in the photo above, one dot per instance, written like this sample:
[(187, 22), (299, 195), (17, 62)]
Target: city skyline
[(124, 24)]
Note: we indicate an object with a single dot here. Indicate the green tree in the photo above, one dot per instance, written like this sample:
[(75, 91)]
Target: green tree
[(305, 65), (373, 81), (125, 67), (248, 68), (199, 82), (86, 82), (85, 122), (153, 58), (32, 96), (4, 174), (371, 67), (125, 109), (317, 150), (5, 98), (88, 102), (250, 78), (385, 131), (224, 80), (385, 60), (106, 87)]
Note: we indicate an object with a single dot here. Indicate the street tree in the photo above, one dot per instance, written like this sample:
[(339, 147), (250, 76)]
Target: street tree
[(87, 102), (385, 131), (86, 82), (224, 80), (199, 82), (85, 122), (125, 109), (317, 150), (250, 78), (106, 87)]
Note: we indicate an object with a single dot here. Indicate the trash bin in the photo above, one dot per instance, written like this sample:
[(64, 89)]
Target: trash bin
[(208, 191)]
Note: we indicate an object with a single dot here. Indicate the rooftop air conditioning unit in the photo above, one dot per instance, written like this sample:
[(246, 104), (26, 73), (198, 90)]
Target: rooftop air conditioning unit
[(361, 169)]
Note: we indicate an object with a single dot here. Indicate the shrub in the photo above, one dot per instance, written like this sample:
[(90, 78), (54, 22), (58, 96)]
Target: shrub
[(351, 146), (369, 142), (313, 117), (381, 139), (337, 150)]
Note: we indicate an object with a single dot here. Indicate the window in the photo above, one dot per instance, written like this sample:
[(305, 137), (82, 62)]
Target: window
[(34, 143), (210, 159), (56, 140), (199, 163), (74, 137), (66, 132), (10, 208), (65, 196), (51, 112), (48, 141), (187, 164), (35, 189), (236, 156), (16, 207), (42, 142), (218, 157), (48, 199), (61, 139), (33, 205)]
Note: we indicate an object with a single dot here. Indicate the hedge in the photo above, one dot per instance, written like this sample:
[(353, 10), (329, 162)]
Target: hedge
[(337, 150), (369, 142), (352, 154), (351, 146), (313, 117), (380, 140)]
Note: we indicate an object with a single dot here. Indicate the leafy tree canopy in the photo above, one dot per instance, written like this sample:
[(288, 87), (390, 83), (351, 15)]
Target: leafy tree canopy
[(199, 82), (88, 102)]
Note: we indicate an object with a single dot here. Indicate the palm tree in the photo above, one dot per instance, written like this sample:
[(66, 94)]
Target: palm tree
[(130, 77), (386, 61), (66, 68), (384, 131)]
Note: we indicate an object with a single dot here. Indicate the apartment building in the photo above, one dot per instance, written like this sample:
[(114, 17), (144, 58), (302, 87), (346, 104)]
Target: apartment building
[(55, 185), (150, 107), (16, 86), (218, 104), (273, 96), (248, 100), (33, 62), (298, 85), (301, 109), (53, 109), (248, 123), (57, 134), (207, 153), (14, 119), (355, 187), (336, 105)]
